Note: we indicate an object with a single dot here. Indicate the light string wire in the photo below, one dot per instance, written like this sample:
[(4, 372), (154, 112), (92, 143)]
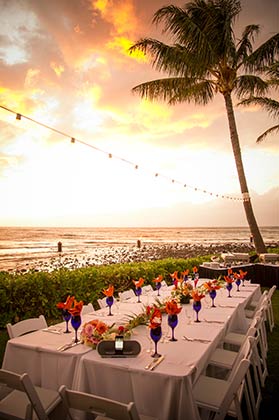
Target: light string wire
[(111, 155)]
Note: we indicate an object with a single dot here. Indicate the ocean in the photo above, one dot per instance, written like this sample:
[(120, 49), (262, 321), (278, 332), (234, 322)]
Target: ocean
[(18, 244)]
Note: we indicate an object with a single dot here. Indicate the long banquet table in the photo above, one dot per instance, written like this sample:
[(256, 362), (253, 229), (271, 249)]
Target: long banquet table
[(165, 392)]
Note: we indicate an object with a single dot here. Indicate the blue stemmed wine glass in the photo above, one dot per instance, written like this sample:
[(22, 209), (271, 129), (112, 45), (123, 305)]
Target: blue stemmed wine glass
[(66, 316), (76, 321), (109, 301), (238, 282), (172, 322), (197, 308), (158, 287), (138, 292), (156, 334), (212, 294), (229, 288)]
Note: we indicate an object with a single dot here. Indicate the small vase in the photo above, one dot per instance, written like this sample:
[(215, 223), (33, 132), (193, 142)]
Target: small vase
[(138, 292), (109, 301), (66, 316), (76, 321), (229, 288), (158, 287), (156, 334), (172, 322), (197, 308), (237, 282), (212, 294)]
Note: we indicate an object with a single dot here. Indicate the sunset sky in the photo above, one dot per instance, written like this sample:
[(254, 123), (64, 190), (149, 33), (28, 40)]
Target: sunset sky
[(65, 64)]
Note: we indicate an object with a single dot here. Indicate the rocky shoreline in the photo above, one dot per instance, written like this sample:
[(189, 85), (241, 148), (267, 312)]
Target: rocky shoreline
[(124, 254)]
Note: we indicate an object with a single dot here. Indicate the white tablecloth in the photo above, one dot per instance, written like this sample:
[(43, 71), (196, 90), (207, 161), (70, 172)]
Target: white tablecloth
[(163, 393)]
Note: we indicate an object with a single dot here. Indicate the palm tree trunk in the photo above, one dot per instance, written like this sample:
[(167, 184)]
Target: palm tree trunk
[(255, 232)]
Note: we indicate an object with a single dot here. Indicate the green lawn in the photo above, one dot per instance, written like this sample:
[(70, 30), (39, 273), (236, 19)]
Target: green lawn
[(271, 390)]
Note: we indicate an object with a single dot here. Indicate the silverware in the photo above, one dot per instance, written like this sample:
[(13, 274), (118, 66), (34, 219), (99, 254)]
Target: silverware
[(200, 340), (147, 367), (53, 331), (213, 322), (158, 361), (67, 346)]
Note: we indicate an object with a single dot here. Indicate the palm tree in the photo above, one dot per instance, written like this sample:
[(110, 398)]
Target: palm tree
[(269, 104), (204, 60)]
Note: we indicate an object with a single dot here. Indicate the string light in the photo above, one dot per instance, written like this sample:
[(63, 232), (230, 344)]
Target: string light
[(245, 196)]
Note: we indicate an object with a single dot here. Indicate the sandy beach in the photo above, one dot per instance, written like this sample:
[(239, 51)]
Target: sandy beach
[(115, 254)]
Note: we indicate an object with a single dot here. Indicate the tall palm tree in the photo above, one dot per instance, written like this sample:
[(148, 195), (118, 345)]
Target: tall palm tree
[(268, 104), (206, 59)]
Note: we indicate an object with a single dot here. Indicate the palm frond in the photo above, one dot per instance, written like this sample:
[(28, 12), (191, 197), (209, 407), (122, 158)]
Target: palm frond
[(267, 132), (268, 104), (175, 60), (245, 44), (264, 55), (177, 90), (249, 85)]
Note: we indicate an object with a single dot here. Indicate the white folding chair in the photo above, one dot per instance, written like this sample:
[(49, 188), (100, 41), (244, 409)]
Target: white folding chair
[(102, 302), (221, 397), (103, 408), (87, 309), (269, 308), (26, 326), (127, 294), (147, 289), (25, 399)]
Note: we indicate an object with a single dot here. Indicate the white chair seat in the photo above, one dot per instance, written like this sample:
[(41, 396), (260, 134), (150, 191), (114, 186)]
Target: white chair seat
[(147, 289), (24, 398), (127, 294), (219, 396)]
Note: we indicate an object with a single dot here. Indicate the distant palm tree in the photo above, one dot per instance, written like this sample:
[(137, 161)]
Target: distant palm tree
[(204, 60), (269, 104)]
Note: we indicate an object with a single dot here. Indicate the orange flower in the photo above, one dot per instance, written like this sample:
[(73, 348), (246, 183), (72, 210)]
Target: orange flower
[(211, 285), (109, 291), (195, 270), (185, 273), (101, 327), (174, 276), (66, 305), (229, 279), (76, 310), (196, 295), (230, 271), (156, 318), (139, 283), (242, 274), (172, 307), (158, 279)]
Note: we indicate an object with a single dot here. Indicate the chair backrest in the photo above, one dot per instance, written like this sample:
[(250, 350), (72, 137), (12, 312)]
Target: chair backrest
[(86, 309), (231, 394), (23, 383), (147, 289), (103, 407), (102, 302), (244, 351), (127, 294), (26, 326)]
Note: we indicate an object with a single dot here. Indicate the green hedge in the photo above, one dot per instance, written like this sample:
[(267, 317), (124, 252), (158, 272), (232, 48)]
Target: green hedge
[(31, 294)]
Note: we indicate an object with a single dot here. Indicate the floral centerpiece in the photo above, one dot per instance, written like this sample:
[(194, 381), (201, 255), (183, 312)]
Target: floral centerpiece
[(211, 288), (181, 291), (109, 296), (95, 331), (65, 308), (197, 295)]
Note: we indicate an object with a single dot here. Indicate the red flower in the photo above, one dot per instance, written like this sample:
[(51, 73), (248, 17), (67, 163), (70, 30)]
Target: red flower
[(76, 310), (172, 307), (138, 283), (109, 291), (196, 295), (158, 279), (66, 305)]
